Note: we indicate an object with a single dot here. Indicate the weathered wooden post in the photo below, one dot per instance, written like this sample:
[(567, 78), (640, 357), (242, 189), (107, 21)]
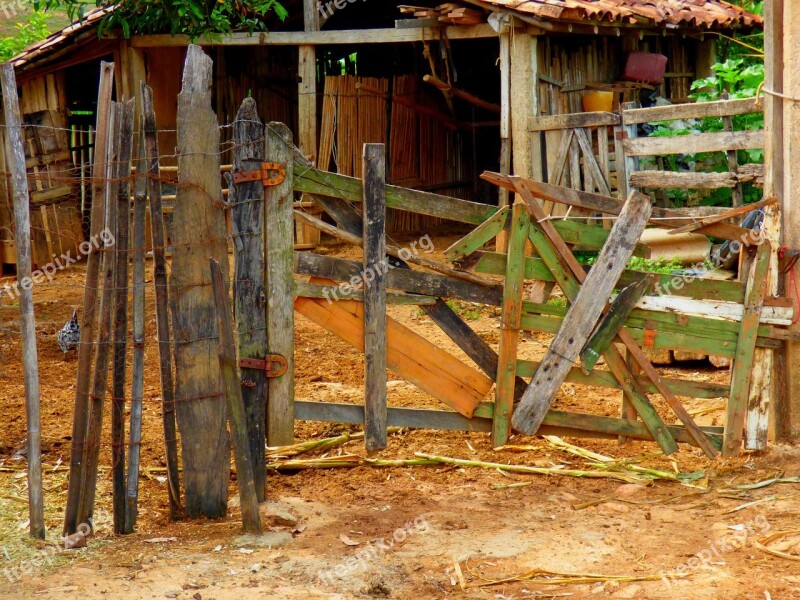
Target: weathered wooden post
[(279, 239), (375, 266), (161, 287), (247, 217), (199, 233), (30, 361), (236, 411), (89, 314)]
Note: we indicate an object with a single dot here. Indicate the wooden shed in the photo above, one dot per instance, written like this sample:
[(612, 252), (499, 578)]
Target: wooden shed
[(452, 89)]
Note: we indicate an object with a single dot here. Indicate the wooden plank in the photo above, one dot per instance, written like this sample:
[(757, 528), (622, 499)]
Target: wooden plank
[(741, 373), (199, 233), (560, 163), (583, 314), (375, 396), (613, 320), (733, 166), (161, 291), (121, 286), (478, 237), (408, 354), (573, 121), (698, 110), (236, 416), (326, 37), (137, 373), (333, 293), (662, 217), (15, 153), (414, 282), (247, 220), (724, 216), (771, 315), (313, 181), (556, 422), (660, 180), (694, 144), (279, 224), (597, 175), (510, 324)]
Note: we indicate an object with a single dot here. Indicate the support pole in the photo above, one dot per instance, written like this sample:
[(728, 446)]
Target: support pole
[(374, 167), (30, 361)]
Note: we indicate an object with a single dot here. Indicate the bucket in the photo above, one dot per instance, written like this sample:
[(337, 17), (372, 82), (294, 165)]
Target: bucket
[(598, 101)]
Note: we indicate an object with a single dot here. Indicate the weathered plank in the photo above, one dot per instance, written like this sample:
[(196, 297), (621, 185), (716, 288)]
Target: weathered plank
[(613, 320), (279, 224), (121, 286), (699, 110), (408, 354), (661, 180), (375, 395), (694, 144), (583, 315), (333, 293), (237, 417), (597, 176), (89, 312), (250, 298), (741, 374), (510, 325), (414, 282), (22, 237), (198, 233), (161, 292), (478, 237), (572, 121), (724, 216)]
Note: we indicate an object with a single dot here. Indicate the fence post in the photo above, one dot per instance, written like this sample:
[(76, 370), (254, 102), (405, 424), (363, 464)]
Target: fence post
[(19, 184), (199, 232), (374, 175), (247, 219), (279, 239)]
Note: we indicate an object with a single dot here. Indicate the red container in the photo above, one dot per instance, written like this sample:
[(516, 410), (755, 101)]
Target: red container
[(644, 67)]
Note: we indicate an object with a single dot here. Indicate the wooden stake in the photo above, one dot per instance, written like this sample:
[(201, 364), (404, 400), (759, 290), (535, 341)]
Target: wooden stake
[(279, 222), (88, 315), (233, 394), (91, 449), (375, 265), (247, 217), (30, 361), (137, 375), (121, 251), (161, 289)]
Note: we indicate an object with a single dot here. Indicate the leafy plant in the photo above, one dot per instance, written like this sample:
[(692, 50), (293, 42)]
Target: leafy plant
[(28, 33), (195, 18)]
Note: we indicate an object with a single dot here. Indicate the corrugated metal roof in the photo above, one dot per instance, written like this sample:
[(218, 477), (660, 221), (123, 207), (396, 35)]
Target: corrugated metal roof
[(700, 14)]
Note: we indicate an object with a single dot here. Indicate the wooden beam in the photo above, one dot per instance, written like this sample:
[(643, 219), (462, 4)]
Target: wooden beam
[(374, 177), (661, 180), (22, 236), (327, 37), (698, 110), (572, 121), (693, 144)]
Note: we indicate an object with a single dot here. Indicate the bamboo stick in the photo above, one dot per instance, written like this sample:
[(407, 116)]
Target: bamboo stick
[(19, 188)]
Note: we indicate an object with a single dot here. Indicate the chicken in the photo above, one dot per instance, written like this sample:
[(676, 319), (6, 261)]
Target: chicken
[(70, 334)]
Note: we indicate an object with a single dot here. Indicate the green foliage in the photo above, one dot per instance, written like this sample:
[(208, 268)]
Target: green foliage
[(661, 266), (195, 18), (26, 34)]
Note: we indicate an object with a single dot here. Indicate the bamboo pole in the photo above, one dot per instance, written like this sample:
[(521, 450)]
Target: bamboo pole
[(233, 395), (88, 316), (162, 301), (19, 186), (122, 248)]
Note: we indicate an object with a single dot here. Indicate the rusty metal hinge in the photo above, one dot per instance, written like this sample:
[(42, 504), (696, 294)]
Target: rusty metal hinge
[(263, 174), (274, 365)]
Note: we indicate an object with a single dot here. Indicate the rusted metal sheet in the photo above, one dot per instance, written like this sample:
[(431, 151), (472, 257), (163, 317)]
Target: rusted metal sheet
[(701, 14)]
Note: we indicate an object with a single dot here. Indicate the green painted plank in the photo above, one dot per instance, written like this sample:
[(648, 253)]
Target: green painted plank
[(478, 237)]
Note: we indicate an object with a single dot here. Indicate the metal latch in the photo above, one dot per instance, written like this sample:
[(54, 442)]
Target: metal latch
[(274, 365), (263, 174)]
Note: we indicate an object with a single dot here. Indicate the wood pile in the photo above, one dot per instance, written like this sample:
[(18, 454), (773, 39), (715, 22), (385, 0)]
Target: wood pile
[(450, 14)]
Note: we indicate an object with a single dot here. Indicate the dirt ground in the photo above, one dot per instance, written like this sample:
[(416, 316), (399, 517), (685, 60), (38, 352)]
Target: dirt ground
[(397, 532)]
